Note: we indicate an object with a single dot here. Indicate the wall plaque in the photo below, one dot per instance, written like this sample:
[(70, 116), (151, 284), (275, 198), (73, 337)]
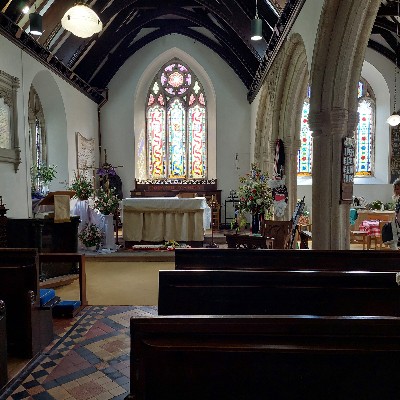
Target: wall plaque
[(346, 184)]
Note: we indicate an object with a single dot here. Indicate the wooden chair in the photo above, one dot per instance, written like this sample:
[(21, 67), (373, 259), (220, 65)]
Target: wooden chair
[(279, 230), (359, 237)]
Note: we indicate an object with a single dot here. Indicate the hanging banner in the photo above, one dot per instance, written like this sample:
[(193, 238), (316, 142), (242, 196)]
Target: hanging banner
[(347, 179)]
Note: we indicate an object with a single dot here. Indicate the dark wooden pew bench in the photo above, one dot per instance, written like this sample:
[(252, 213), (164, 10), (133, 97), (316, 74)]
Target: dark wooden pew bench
[(29, 326), (278, 293), (283, 260), (3, 345), (264, 357)]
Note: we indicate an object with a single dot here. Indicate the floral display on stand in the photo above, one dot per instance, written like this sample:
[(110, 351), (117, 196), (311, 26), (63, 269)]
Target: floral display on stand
[(91, 235), (255, 196), (83, 188), (106, 202)]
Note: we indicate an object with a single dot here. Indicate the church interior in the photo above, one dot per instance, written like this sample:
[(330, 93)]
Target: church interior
[(236, 162)]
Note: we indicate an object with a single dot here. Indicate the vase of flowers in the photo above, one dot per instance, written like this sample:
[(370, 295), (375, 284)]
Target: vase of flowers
[(255, 196), (91, 236), (82, 187), (106, 201), (41, 176)]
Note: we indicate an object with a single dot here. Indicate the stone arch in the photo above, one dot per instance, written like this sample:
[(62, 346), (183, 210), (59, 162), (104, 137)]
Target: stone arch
[(342, 37), (140, 99), (279, 111)]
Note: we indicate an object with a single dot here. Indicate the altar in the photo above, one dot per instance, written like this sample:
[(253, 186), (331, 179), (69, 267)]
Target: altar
[(159, 219)]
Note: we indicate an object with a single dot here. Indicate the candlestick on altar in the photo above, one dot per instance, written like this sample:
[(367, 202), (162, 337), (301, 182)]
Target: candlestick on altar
[(214, 206)]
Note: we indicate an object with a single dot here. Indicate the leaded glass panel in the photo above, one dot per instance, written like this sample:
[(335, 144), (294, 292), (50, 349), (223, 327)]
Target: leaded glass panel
[(304, 155), (156, 141), (197, 147), (364, 137), (176, 124), (176, 140)]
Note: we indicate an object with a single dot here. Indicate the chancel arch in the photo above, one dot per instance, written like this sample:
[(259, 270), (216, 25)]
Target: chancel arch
[(141, 102), (278, 113), (342, 37)]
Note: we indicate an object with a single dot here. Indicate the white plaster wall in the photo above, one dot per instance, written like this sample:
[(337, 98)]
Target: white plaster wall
[(66, 111), (232, 111), (307, 25)]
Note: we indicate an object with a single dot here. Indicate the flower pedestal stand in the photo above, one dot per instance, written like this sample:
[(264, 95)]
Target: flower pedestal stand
[(255, 223), (109, 241)]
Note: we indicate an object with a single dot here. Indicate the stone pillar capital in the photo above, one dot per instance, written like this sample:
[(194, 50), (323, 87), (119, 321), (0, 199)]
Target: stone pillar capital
[(338, 121)]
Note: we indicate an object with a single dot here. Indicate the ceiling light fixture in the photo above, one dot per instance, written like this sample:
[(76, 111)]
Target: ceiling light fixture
[(81, 21), (256, 27), (394, 119), (35, 23), (25, 10)]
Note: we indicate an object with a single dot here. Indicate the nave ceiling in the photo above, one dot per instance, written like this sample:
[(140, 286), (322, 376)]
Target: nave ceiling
[(129, 25)]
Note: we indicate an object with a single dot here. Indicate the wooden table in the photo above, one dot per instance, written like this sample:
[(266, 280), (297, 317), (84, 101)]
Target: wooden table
[(249, 241)]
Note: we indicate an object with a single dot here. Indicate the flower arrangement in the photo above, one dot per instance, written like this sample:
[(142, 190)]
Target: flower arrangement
[(41, 176), (83, 188), (106, 201), (255, 196), (91, 235), (375, 205)]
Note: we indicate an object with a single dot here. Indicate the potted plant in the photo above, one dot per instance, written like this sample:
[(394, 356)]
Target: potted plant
[(82, 187), (91, 236), (41, 176)]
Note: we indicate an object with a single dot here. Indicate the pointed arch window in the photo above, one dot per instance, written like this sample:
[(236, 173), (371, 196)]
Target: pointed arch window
[(176, 124), (37, 132), (364, 135), (304, 155)]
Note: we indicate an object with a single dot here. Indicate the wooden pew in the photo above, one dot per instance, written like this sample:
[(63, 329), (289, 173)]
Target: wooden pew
[(78, 258), (278, 293), (29, 326), (264, 357), (3, 345), (283, 260)]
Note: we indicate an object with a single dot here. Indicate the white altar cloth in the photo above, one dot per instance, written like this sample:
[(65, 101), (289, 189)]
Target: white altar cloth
[(157, 219)]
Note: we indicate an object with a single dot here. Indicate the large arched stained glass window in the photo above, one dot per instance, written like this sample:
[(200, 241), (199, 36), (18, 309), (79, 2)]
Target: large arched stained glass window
[(304, 155), (365, 133), (176, 124)]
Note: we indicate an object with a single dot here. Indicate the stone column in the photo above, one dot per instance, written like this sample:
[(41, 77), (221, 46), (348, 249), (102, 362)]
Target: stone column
[(330, 216)]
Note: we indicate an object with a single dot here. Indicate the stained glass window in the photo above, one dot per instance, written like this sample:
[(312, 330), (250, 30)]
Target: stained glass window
[(364, 135), (37, 132), (176, 124), (304, 155)]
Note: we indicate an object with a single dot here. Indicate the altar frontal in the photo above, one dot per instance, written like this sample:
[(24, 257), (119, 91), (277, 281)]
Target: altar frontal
[(160, 219)]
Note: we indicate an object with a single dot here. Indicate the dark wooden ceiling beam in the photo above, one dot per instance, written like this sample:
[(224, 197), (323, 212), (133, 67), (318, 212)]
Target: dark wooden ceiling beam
[(105, 74), (389, 9), (104, 44), (388, 36)]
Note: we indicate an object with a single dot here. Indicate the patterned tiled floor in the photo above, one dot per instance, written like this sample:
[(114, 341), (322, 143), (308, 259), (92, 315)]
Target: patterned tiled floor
[(88, 361)]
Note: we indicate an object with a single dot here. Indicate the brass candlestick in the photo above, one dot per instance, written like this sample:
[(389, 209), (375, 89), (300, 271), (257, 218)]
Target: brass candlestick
[(214, 206)]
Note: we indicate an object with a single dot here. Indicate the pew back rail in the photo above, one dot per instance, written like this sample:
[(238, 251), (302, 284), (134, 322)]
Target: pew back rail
[(278, 293), (283, 260), (257, 357)]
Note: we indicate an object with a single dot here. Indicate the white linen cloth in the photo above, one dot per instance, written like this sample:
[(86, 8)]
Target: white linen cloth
[(88, 215), (156, 219)]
